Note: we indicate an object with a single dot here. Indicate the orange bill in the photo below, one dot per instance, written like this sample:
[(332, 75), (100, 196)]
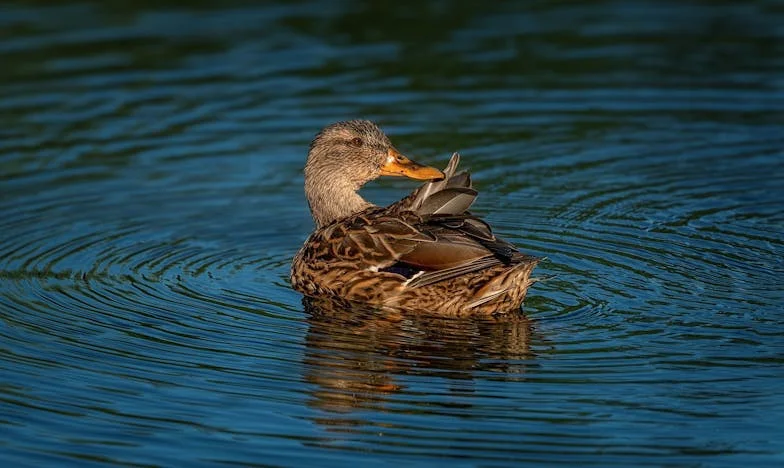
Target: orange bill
[(399, 165)]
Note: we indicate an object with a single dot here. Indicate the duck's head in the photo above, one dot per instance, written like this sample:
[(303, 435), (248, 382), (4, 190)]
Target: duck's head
[(342, 158), (358, 151)]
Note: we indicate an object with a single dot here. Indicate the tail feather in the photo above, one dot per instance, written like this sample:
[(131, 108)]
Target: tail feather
[(510, 283)]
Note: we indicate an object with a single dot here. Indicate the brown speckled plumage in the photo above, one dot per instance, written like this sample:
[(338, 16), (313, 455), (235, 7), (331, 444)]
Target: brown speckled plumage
[(424, 253)]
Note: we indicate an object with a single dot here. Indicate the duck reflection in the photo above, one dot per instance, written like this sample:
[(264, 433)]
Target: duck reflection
[(359, 358)]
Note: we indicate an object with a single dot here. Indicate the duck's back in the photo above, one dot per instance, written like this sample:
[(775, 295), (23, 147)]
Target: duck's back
[(425, 252)]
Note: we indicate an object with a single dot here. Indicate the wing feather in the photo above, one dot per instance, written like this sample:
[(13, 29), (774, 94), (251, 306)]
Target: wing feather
[(427, 237)]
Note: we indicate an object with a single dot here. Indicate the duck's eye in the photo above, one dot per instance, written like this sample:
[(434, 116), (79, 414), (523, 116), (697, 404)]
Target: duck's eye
[(356, 142)]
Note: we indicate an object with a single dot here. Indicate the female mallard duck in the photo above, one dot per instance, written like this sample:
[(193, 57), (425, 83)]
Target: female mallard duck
[(423, 253)]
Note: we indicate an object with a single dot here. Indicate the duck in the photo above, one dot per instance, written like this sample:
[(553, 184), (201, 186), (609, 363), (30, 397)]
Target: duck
[(425, 253)]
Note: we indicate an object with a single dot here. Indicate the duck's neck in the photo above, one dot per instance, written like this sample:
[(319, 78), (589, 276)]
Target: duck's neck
[(332, 199)]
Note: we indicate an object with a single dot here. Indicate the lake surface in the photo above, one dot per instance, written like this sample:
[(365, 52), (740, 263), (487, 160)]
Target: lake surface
[(151, 200)]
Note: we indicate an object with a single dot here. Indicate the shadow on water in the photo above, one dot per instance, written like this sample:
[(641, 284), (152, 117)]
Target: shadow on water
[(356, 356)]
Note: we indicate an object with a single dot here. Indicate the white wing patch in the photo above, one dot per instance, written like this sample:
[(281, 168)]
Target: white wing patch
[(417, 275)]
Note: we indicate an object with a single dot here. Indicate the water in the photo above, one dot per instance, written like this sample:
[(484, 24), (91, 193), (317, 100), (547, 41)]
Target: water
[(151, 200)]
